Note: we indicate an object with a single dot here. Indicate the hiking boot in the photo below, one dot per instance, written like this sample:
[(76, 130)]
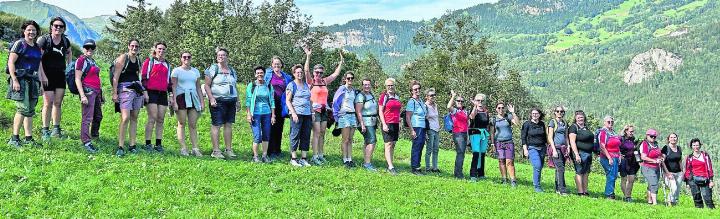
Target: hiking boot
[(513, 183), (90, 148), (120, 152), (133, 149), (159, 148), (369, 167), (45, 135), (217, 154), (393, 171), (230, 154), (31, 143), (295, 163), (58, 133), (347, 164), (417, 172), (14, 143), (322, 159), (351, 164), (184, 152), (304, 163), (149, 148), (628, 199), (196, 152), (316, 161)]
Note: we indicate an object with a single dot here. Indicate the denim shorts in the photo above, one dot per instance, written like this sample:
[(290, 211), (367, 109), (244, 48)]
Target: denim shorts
[(370, 134), (348, 120), (260, 128), (223, 112), (321, 116)]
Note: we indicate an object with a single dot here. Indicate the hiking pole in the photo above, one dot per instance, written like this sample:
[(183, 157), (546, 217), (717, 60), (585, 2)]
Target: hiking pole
[(664, 190)]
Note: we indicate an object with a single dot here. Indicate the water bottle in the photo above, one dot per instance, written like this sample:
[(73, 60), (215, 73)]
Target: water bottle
[(637, 156)]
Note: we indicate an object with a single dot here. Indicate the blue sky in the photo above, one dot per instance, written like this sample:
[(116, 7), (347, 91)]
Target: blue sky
[(323, 11)]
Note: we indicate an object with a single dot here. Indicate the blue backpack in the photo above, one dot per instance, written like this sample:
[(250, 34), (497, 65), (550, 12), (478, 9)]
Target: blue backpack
[(338, 100), (448, 122), (70, 75)]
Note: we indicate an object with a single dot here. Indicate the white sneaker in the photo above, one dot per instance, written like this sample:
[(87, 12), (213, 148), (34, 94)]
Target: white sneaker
[(295, 163), (304, 163)]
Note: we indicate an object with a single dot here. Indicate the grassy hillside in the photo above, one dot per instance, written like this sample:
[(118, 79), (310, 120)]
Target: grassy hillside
[(61, 180)]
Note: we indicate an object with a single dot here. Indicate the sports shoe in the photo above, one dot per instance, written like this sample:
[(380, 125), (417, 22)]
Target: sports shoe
[(184, 152), (538, 190), (351, 164), (159, 148), (149, 148), (265, 159), (32, 143), (90, 148), (417, 172), (58, 133), (347, 164), (120, 152), (295, 163), (393, 171), (256, 160), (196, 152), (217, 154), (322, 159), (230, 154), (133, 149), (316, 161), (628, 199), (369, 167), (503, 181), (304, 163), (473, 179), (45, 135), (14, 143), (513, 183)]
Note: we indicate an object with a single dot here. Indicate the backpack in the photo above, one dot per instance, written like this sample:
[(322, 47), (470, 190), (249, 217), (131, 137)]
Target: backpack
[(403, 113), (112, 67), (596, 142), (48, 42), (20, 52), (448, 122), (70, 74), (338, 101)]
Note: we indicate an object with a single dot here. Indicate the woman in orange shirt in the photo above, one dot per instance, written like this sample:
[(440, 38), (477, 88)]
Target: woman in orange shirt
[(319, 97)]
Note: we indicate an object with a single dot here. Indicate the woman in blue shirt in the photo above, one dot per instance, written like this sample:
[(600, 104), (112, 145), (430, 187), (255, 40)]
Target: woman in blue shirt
[(416, 110), (260, 103)]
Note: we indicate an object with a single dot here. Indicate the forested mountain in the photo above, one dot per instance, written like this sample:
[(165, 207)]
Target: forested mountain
[(41, 12)]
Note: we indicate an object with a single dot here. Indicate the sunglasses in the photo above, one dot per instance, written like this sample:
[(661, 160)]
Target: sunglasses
[(349, 78), (652, 136), (610, 121), (89, 47), (58, 26), (416, 89), (186, 57), (319, 72), (459, 101), (431, 95), (501, 108), (560, 111)]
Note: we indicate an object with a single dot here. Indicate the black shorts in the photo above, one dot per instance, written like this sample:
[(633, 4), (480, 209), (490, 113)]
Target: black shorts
[(392, 134), (157, 97), (56, 80), (180, 100), (223, 112), (628, 166)]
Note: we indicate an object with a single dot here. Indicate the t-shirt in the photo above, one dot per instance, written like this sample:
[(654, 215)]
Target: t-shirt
[(652, 151), (672, 159), (30, 57), (419, 111), (433, 117), (262, 100), (627, 148), (92, 77), (348, 103), (559, 131), (186, 79), (223, 86), (369, 109), (584, 138), (460, 120), (611, 142), (53, 60), (301, 99), (278, 83), (503, 128), (533, 134), (392, 106), (481, 121)]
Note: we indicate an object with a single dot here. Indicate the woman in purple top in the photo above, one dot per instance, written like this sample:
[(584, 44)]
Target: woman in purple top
[(629, 165), (279, 80)]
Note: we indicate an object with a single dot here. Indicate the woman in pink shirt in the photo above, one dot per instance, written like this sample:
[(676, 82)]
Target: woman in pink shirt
[(156, 77), (699, 175), (319, 97), (389, 106), (650, 166), (460, 128), (87, 80)]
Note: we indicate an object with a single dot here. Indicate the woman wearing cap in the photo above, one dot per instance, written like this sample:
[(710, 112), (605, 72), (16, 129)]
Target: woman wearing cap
[(460, 118), (319, 97), (629, 165), (581, 141), (366, 107), (188, 102), (502, 136), (557, 138), (57, 54), (699, 175), (672, 169), (88, 87), (26, 76), (156, 75), (221, 89), (479, 136), (278, 79), (415, 117), (389, 106), (609, 155), (260, 113), (652, 157), (129, 94)]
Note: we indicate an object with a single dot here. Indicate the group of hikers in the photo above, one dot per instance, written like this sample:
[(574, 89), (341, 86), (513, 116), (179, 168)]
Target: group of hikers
[(37, 66)]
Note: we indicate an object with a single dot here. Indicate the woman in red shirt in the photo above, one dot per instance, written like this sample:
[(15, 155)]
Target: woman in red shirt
[(87, 80), (389, 106), (459, 131), (650, 166), (156, 75), (699, 175)]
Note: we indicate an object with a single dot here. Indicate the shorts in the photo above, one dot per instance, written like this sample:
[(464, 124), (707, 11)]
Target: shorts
[(130, 99), (651, 177), (505, 150), (628, 167), (180, 100), (370, 134), (56, 79), (321, 116), (583, 167), (260, 128), (26, 108), (223, 112), (392, 134), (348, 120), (157, 97)]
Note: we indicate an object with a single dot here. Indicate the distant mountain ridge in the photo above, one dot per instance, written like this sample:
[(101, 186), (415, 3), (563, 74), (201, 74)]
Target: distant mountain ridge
[(76, 30)]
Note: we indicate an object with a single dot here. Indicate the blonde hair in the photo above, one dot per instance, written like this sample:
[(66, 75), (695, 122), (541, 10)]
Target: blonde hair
[(481, 95), (626, 128), (390, 80)]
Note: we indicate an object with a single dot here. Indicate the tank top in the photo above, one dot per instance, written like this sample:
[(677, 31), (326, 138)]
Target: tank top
[(131, 72), (318, 96)]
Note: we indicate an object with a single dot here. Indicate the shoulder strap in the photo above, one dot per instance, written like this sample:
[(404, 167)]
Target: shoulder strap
[(150, 65)]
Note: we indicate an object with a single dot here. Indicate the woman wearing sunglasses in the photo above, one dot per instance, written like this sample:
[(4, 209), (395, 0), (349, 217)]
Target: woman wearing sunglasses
[(609, 154), (501, 136), (87, 80), (56, 54), (389, 107), (346, 116), (188, 103), (479, 137), (559, 147), (415, 117), (319, 97), (459, 117), (650, 167), (629, 165)]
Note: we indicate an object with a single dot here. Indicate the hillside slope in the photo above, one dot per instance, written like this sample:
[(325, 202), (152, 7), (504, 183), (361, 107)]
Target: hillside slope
[(42, 12)]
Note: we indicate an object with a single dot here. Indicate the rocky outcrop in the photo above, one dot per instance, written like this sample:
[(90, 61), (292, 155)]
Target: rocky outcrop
[(647, 64)]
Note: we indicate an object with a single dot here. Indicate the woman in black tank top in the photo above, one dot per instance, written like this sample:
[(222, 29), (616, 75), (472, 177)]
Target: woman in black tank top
[(128, 95)]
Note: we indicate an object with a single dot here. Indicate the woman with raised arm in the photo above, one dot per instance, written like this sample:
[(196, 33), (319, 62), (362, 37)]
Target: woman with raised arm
[(188, 102), (459, 117), (502, 136), (56, 54), (319, 97)]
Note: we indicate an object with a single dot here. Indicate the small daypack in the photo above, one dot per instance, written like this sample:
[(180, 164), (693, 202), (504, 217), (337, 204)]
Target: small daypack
[(338, 101), (70, 74), (448, 122)]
